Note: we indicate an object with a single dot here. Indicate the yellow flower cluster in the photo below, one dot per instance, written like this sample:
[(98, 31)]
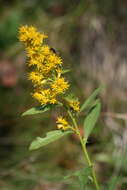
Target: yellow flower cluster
[(45, 96), (74, 104), (59, 85), (30, 36), (46, 77), (62, 123)]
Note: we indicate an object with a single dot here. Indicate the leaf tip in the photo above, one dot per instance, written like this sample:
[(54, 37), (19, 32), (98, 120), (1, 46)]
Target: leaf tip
[(31, 147), (23, 114)]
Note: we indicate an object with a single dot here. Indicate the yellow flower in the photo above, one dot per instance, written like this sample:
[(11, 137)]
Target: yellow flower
[(38, 96), (41, 58), (45, 96), (50, 61), (53, 58), (74, 104), (45, 49), (60, 85), (47, 67), (34, 62), (59, 71), (62, 123), (30, 36), (32, 51), (36, 78)]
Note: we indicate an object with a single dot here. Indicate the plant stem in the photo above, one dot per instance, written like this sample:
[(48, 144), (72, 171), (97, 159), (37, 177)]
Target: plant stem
[(86, 156)]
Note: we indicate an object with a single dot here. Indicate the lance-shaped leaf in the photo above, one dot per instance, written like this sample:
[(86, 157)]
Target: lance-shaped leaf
[(39, 109), (91, 99), (91, 119), (65, 71), (50, 137)]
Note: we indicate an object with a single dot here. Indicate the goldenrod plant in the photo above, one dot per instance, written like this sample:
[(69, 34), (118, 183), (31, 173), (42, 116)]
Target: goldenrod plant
[(51, 90)]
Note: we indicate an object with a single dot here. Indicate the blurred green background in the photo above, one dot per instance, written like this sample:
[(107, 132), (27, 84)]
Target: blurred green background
[(91, 36)]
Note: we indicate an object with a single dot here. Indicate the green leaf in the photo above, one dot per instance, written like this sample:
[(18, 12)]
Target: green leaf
[(65, 71), (50, 137), (83, 176), (91, 99), (91, 119), (39, 109)]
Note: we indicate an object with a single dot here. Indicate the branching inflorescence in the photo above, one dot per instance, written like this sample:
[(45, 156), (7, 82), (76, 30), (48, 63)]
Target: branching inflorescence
[(47, 75)]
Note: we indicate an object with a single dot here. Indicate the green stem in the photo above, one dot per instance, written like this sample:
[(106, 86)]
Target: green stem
[(86, 156)]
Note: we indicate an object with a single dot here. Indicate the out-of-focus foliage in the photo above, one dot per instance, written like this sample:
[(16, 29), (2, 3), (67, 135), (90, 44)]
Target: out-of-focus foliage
[(91, 38)]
